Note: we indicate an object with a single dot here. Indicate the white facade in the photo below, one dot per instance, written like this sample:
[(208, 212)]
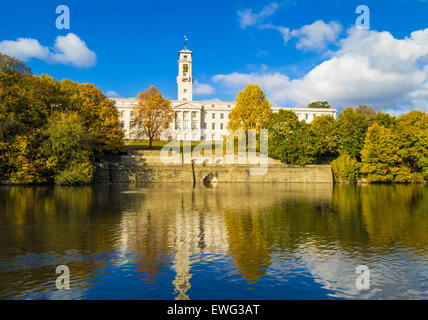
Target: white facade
[(198, 120), (185, 79)]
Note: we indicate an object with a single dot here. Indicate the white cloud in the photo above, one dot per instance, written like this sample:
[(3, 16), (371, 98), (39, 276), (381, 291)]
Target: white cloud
[(68, 49), (202, 89), (72, 50), (316, 36), (248, 18), (285, 32), (370, 67), (274, 84), (112, 94), (24, 49)]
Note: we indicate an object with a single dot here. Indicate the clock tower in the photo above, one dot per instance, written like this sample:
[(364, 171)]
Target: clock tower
[(185, 79)]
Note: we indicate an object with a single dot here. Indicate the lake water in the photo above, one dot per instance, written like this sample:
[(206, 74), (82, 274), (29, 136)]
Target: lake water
[(229, 242)]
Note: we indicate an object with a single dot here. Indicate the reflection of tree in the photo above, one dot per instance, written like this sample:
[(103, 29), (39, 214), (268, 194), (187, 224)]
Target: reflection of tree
[(145, 230), (247, 245), (46, 226), (396, 213), (162, 227)]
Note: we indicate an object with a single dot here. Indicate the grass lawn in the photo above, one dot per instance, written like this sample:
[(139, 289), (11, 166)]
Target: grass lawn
[(158, 145)]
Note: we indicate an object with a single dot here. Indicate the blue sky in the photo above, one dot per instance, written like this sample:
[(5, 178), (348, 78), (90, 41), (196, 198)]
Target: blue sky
[(298, 51)]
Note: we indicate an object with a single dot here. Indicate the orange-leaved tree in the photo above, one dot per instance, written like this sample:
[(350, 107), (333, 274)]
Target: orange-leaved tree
[(251, 111), (152, 114)]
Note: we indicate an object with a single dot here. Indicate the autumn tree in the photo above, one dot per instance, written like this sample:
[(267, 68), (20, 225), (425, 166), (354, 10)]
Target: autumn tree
[(38, 114), (382, 157), (98, 113), (251, 111), (412, 129), (152, 114)]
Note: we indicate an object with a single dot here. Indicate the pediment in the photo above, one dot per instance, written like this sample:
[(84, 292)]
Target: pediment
[(187, 105)]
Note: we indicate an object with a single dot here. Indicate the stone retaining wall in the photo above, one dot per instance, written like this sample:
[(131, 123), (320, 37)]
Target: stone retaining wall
[(146, 167)]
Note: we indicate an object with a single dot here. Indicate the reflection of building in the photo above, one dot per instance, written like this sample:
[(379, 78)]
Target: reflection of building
[(173, 222), (198, 120), (181, 228), (195, 234)]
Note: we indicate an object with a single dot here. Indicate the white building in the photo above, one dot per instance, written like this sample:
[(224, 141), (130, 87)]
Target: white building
[(198, 120)]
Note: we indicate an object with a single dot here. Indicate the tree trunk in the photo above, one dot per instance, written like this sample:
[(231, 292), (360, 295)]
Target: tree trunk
[(150, 143)]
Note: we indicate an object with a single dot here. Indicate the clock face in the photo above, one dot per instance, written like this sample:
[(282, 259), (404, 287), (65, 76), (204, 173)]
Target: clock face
[(186, 68)]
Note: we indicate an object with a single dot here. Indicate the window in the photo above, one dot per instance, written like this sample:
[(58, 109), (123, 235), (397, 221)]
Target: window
[(122, 124), (131, 114), (306, 116), (213, 115), (185, 68), (195, 137), (185, 57), (205, 126), (184, 99), (213, 126), (221, 115), (221, 126), (185, 90)]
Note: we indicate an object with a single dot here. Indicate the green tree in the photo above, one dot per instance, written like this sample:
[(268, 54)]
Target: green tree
[(385, 120), (153, 112), (323, 131), (68, 149), (251, 111), (352, 127), (290, 140), (319, 105)]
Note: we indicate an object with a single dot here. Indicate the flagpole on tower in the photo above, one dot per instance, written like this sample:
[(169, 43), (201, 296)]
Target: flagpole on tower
[(185, 42)]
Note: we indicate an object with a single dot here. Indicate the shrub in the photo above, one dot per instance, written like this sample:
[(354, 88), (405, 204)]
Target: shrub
[(346, 168), (79, 172)]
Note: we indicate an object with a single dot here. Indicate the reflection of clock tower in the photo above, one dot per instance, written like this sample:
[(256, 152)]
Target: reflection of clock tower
[(185, 79)]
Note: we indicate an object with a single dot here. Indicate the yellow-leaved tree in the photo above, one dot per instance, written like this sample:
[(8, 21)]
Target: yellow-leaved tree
[(152, 114), (251, 111)]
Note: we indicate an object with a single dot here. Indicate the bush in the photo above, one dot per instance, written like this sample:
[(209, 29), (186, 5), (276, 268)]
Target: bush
[(79, 172), (346, 169)]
